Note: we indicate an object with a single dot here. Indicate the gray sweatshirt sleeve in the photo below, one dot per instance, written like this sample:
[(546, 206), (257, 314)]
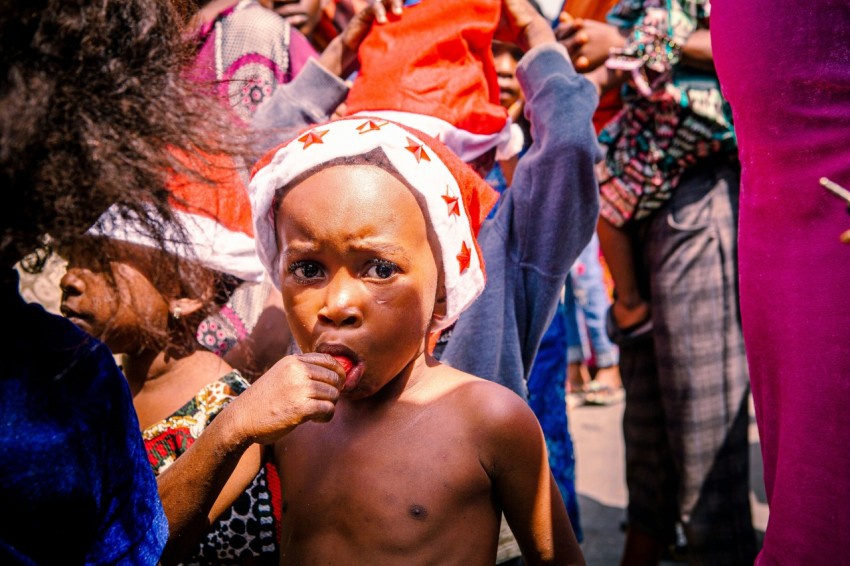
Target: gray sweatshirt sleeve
[(545, 219), (310, 98)]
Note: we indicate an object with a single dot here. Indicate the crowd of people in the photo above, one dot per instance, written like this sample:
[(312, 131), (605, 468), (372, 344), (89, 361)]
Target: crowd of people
[(329, 272)]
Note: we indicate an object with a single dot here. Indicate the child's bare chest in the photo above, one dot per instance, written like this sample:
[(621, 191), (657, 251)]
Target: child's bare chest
[(406, 476)]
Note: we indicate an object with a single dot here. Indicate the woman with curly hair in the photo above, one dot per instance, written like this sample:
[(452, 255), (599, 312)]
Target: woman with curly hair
[(94, 110)]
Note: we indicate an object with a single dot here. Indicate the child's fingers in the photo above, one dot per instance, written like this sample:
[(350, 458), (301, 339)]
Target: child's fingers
[(329, 370), (379, 11), (566, 30), (322, 411), (396, 6)]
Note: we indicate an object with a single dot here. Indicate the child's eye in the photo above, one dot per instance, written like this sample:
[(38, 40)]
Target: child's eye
[(305, 270), (382, 269)]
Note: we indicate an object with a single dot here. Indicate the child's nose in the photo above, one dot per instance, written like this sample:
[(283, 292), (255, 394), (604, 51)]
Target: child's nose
[(341, 306), (71, 283)]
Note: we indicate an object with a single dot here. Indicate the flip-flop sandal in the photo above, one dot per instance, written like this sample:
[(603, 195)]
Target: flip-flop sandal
[(605, 395), (629, 335)]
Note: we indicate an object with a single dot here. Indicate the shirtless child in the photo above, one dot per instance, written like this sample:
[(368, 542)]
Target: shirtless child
[(365, 226)]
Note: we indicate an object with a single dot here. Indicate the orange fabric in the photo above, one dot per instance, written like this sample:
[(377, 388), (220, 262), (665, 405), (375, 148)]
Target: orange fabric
[(218, 193), (436, 61), (609, 106), (590, 9)]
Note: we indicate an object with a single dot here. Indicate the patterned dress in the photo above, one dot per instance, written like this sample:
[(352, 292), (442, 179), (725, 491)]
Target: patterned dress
[(672, 116), (248, 531)]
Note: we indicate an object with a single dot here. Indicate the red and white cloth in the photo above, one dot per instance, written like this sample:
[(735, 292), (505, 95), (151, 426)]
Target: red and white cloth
[(432, 69), (456, 199), (214, 214)]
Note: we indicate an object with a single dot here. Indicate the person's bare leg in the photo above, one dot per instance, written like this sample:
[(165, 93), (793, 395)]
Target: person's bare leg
[(629, 308), (578, 377), (609, 377)]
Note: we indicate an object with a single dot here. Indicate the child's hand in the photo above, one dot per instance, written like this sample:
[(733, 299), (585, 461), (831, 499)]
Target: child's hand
[(340, 57), (587, 41), (522, 25), (295, 390)]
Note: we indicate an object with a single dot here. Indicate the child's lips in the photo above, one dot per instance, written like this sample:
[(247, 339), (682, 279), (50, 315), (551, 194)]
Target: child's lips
[(353, 372), (75, 317), (345, 362), (351, 365)]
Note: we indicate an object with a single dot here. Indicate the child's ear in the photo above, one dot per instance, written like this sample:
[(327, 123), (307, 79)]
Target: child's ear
[(440, 305), (185, 306)]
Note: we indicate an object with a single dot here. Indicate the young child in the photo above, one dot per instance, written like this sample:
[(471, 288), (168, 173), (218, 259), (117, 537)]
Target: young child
[(146, 303), (557, 178), (368, 230)]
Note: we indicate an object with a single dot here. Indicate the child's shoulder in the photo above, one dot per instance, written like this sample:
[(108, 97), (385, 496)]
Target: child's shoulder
[(483, 401)]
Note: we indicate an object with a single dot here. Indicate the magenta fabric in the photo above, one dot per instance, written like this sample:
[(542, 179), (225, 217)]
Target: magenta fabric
[(784, 66)]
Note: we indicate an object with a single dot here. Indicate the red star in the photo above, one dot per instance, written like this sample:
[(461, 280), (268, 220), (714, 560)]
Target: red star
[(370, 126), (417, 150), (311, 137), (454, 207), (464, 257)]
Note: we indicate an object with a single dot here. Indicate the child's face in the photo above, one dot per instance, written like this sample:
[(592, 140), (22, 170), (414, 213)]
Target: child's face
[(115, 301), (358, 276), (509, 90), (303, 14)]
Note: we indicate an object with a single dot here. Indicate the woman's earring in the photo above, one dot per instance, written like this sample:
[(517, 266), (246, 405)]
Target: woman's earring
[(176, 312)]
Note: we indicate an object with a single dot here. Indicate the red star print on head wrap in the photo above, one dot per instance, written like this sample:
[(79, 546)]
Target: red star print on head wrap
[(456, 199)]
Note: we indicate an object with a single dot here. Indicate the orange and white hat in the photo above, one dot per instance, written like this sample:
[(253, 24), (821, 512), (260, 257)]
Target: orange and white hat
[(215, 215), (456, 199)]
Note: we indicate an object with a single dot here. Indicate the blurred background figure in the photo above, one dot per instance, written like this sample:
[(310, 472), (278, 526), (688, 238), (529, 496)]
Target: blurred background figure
[(668, 233)]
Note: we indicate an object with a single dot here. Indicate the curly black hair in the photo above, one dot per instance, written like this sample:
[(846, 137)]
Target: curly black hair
[(94, 99)]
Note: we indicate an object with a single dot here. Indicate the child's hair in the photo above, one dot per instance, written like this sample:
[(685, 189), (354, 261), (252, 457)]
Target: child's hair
[(92, 96)]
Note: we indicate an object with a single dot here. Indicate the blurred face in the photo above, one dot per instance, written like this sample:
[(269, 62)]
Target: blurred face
[(303, 14), (509, 91), (358, 277), (115, 300)]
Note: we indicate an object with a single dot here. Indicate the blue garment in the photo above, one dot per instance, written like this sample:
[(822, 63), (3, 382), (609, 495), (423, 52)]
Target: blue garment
[(75, 483), (543, 222), (587, 303), (547, 398)]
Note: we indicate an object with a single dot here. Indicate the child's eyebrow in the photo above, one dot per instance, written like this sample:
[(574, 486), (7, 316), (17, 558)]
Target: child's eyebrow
[(299, 248), (387, 248), (368, 246)]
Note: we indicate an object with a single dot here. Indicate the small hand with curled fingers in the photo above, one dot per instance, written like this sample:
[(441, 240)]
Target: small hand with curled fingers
[(587, 41), (340, 56), (297, 389), (523, 25)]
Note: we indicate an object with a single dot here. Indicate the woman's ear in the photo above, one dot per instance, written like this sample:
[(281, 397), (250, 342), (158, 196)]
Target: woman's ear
[(184, 307)]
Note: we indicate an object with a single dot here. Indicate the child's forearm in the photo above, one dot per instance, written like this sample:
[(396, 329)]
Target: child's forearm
[(295, 390), (190, 487)]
